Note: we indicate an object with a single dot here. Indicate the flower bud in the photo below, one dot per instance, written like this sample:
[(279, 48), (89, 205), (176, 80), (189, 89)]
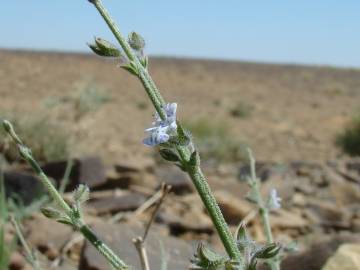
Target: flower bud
[(104, 48), (50, 212), (169, 155), (81, 193), (136, 41)]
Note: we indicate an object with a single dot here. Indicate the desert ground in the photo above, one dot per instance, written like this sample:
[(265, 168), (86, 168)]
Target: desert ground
[(289, 115)]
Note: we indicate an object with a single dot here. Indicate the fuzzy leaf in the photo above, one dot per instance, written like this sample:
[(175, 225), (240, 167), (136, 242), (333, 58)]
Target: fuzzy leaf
[(169, 155), (145, 61), (65, 220), (267, 251), (194, 159), (104, 48), (131, 67), (50, 212), (81, 193)]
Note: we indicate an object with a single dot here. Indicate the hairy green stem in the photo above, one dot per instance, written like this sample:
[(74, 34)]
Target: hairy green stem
[(208, 199), (26, 154), (263, 210), (144, 76), (103, 249), (196, 174)]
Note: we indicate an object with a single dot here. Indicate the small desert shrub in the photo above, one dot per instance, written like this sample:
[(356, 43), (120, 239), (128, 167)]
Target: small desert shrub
[(215, 141), (48, 140), (86, 97), (349, 139), (241, 110)]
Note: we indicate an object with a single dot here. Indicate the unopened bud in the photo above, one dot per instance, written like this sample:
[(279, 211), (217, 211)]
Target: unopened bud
[(136, 41), (7, 126), (104, 48), (50, 212), (81, 193)]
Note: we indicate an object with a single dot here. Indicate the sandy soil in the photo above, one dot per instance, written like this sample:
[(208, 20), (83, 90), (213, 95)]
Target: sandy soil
[(297, 111)]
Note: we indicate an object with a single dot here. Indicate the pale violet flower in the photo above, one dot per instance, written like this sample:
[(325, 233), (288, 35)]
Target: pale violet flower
[(274, 200), (161, 130)]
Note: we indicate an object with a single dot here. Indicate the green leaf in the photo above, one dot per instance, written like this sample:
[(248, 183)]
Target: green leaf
[(65, 220), (81, 193), (104, 48), (50, 212), (145, 61), (131, 67), (169, 155), (194, 159), (267, 252)]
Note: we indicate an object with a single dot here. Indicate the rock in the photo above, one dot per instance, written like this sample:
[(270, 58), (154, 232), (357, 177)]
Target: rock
[(263, 170), (127, 202), (233, 208), (119, 238), (48, 236), (315, 257), (180, 182), (346, 193), (185, 216), (194, 221), (304, 185), (23, 186), (89, 171), (17, 261), (136, 164), (284, 219), (328, 214), (355, 225), (347, 257)]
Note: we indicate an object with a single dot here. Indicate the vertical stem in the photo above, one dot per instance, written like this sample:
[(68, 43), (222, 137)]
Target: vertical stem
[(144, 76), (196, 175), (29, 254), (25, 152), (263, 210), (212, 207), (103, 249)]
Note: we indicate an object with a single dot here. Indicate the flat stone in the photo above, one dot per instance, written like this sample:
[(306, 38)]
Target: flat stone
[(46, 235), (88, 170), (114, 204), (119, 238), (283, 219), (328, 214), (347, 257), (23, 186), (179, 181), (233, 208), (316, 256)]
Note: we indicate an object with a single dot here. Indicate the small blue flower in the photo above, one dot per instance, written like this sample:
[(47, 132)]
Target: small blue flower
[(162, 129), (274, 200)]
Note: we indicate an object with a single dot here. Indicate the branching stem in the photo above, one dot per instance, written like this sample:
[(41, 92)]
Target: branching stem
[(195, 174)]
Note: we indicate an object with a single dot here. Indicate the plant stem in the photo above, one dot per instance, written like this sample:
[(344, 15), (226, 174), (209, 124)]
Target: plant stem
[(103, 249), (144, 76), (263, 210), (208, 199), (25, 152), (196, 175), (31, 257)]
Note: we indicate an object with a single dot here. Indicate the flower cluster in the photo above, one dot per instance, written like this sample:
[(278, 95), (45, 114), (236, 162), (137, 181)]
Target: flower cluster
[(274, 200), (161, 130)]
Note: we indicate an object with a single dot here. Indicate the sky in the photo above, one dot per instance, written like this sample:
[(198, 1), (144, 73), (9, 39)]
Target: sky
[(322, 32)]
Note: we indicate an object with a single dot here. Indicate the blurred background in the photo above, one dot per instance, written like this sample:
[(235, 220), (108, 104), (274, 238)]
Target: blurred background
[(279, 77)]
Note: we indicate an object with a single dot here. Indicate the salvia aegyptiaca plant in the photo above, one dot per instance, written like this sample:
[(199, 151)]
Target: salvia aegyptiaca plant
[(175, 145)]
